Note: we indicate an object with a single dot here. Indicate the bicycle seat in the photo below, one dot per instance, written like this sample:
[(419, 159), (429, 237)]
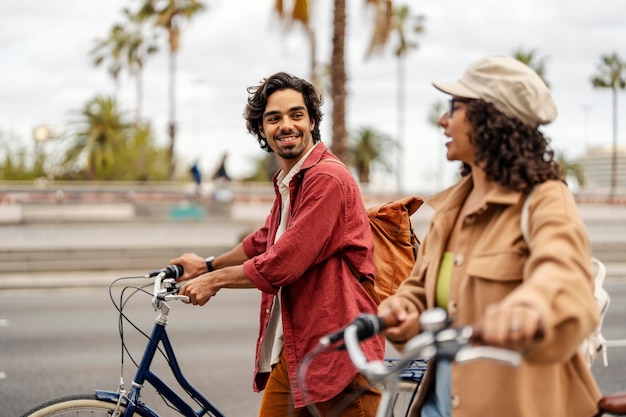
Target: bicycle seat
[(614, 403)]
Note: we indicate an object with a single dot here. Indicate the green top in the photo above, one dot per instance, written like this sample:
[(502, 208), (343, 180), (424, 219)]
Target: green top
[(443, 280)]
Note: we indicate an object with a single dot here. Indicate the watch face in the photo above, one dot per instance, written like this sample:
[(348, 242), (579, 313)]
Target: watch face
[(209, 263)]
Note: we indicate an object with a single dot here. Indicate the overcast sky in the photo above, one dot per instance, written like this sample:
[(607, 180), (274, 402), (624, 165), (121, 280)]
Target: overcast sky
[(46, 72)]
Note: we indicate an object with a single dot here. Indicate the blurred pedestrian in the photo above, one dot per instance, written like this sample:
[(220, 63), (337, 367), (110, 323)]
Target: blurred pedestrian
[(220, 173), (197, 177)]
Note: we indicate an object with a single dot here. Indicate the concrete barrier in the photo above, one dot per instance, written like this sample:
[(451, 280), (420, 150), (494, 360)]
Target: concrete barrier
[(82, 212), (11, 214)]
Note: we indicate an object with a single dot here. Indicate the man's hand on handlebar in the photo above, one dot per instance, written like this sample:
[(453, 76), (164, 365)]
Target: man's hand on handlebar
[(200, 290), (192, 264)]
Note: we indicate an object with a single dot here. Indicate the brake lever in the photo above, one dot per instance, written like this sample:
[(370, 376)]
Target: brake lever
[(167, 289)]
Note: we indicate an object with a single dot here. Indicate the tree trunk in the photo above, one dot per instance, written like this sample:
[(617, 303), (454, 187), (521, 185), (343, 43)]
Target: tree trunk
[(139, 97), (401, 103), (313, 43), (614, 151), (364, 174), (338, 84), (172, 121)]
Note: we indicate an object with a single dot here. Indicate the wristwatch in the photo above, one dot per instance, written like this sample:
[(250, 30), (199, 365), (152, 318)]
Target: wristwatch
[(209, 263)]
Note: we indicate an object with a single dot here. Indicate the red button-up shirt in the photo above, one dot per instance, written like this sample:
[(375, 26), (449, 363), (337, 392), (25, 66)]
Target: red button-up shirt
[(320, 294)]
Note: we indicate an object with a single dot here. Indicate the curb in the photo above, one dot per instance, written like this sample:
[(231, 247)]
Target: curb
[(104, 278)]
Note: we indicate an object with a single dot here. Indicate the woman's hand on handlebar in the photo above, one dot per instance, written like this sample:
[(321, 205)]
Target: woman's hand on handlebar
[(402, 319), (510, 327), (193, 265)]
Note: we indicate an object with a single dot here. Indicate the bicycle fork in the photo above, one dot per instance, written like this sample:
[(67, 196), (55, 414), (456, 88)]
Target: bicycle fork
[(130, 400), (143, 374)]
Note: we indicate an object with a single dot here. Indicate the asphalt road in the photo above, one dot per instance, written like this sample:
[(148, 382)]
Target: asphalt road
[(67, 342), (60, 342)]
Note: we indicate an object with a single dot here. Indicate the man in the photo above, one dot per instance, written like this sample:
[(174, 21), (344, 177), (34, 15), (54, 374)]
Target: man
[(300, 260)]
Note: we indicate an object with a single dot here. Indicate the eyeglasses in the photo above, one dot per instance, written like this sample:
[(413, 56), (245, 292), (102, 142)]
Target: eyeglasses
[(452, 103)]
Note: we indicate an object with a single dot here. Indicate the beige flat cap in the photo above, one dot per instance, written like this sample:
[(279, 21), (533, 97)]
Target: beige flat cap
[(511, 86)]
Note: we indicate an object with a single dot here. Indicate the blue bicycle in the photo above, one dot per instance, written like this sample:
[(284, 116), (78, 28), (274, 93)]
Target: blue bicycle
[(128, 403)]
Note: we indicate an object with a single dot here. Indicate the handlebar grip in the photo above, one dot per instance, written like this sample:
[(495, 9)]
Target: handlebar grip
[(388, 320), (367, 325), (170, 271)]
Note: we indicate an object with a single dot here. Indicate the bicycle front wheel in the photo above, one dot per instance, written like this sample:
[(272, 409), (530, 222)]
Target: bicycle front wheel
[(75, 406)]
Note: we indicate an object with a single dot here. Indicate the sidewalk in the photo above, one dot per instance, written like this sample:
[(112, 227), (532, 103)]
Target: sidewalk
[(66, 280), (102, 279), (45, 255)]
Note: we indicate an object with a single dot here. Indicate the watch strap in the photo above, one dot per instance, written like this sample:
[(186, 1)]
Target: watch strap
[(209, 263)]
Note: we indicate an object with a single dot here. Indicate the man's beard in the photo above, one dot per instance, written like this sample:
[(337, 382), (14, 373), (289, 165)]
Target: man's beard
[(295, 151)]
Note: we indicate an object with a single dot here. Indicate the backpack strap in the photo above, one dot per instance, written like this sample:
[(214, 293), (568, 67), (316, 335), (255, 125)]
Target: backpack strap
[(595, 343), (367, 284), (524, 219), (337, 161)]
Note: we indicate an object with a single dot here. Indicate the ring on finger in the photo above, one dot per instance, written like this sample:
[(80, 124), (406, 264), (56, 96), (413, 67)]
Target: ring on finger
[(515, 326)]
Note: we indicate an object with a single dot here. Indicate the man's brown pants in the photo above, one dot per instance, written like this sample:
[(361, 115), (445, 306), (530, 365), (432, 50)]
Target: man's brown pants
[(277, 400)]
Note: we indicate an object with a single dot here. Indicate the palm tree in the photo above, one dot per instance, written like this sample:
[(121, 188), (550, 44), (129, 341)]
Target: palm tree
[(571, 169), (138, 47), (338, 91), (434, 114), (338, 94), (300, 13), (382, 22), (101, 134), (369, 147), (111, 49), (105, 146), (399, 23), (611, 73), (531, 59), (141, 159), (168, 14), (126, 47)]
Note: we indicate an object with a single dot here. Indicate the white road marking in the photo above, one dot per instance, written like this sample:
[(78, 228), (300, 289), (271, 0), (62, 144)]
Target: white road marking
[(616, 343)]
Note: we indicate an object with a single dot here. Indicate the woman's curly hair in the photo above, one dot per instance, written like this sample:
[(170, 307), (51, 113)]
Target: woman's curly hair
[(253, 112), (513, 154)]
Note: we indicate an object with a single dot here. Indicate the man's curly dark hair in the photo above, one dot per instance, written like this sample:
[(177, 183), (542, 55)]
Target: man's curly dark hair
[(513, 154), (253, 112)]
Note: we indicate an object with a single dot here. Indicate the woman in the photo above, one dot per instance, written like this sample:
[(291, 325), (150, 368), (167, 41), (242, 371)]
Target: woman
[(475, 263)]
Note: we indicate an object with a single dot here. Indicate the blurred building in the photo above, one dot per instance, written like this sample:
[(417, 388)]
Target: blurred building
[(596, 164)]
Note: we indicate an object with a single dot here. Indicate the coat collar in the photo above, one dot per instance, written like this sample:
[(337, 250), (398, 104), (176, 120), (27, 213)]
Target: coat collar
[(453, 197), (315, 156)]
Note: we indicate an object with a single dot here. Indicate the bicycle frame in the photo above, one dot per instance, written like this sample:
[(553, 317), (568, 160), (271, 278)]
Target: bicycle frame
[(144, 374)]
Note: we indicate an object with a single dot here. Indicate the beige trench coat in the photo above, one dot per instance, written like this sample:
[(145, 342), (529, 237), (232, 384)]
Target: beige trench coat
[(493, 266)]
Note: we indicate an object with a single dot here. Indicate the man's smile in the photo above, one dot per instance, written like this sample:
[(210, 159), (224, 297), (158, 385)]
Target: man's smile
[(286, 139)]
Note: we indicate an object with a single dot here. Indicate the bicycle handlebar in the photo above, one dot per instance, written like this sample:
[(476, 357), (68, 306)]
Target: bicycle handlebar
[(366, 326), (437, 340), (165, 288)]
